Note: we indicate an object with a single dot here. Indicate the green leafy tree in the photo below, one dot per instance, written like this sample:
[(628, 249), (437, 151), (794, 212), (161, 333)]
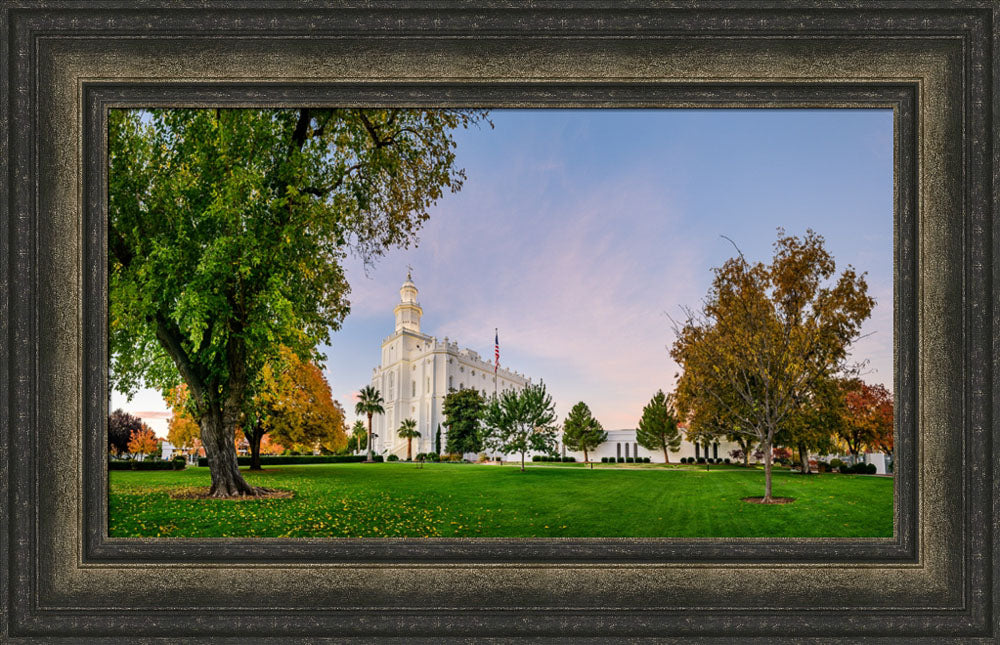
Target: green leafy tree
[(437, 440), (408, 430), (581, 431), (463, 413), (767, 335), (813, 426), (658, 428), (369, 404), (517, 422), (226, 232)]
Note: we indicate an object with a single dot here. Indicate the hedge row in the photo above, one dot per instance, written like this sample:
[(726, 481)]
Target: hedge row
[(547, 458), (300, 459), (151, 464), (625, 460)]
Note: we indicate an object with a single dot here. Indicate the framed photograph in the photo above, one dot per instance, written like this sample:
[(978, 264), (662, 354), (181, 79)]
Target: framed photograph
[(438, 322)]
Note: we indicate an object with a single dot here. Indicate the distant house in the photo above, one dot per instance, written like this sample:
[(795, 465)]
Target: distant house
[(622, 443), (168, 450)]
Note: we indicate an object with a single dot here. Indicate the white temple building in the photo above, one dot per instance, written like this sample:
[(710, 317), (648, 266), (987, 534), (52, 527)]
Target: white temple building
[(417, 371)]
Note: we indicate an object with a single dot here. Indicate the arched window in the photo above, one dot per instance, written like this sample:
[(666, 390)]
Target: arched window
[(451, 382)]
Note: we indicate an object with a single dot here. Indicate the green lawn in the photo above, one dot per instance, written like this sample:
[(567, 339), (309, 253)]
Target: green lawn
[(465, 500)]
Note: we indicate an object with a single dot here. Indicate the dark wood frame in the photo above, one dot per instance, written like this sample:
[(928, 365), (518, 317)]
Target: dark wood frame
[(65, 64)]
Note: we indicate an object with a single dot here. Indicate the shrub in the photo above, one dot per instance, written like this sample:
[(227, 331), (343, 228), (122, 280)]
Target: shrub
[(303, 459), (700, 460), (645, 460), (727, 460), (836, 463), (620, 460), (149, 464), (604, 460), (536, 457), (432, 456), (569, 459), (872, 469), (420, 456), (392, 458)]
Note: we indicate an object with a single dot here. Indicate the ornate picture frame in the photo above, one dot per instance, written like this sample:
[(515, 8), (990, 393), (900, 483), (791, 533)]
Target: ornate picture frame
[(65, 65)]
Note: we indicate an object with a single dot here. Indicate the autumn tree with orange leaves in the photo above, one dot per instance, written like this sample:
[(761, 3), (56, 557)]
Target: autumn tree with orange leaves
[(182, 430), (142, 441), (294, 406), (868, 417)]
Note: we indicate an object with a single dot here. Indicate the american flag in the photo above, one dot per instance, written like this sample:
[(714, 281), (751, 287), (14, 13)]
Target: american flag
[(496, 351)]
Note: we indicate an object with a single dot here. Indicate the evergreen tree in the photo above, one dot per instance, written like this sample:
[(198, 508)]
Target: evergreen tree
[(437, 440), (581, 431), (658, 426), (463, 413)]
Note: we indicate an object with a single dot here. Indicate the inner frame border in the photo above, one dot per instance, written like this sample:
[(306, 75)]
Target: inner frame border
[(900, 97)]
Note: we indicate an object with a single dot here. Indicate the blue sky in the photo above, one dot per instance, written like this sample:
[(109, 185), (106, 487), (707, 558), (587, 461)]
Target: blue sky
[(578, 231)]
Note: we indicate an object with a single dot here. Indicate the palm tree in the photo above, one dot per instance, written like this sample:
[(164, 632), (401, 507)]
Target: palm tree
[(369, 403), (359, 434), (408, 430)]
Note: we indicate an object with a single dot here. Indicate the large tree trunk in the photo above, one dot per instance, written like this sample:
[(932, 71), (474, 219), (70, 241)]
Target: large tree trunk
[(220, 448), (804, 459), (766, 446), (255, 439)]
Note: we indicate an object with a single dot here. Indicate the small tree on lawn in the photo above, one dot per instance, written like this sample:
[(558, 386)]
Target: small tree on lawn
[(408, 430), (437, 440), (767, 334), (581, 431), (142, 442), (517, 422), (658, 426), (369, 403), (121, 425)]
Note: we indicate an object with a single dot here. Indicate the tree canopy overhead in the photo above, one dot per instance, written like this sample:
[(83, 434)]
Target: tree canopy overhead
[(227, 229), (768, 336)]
